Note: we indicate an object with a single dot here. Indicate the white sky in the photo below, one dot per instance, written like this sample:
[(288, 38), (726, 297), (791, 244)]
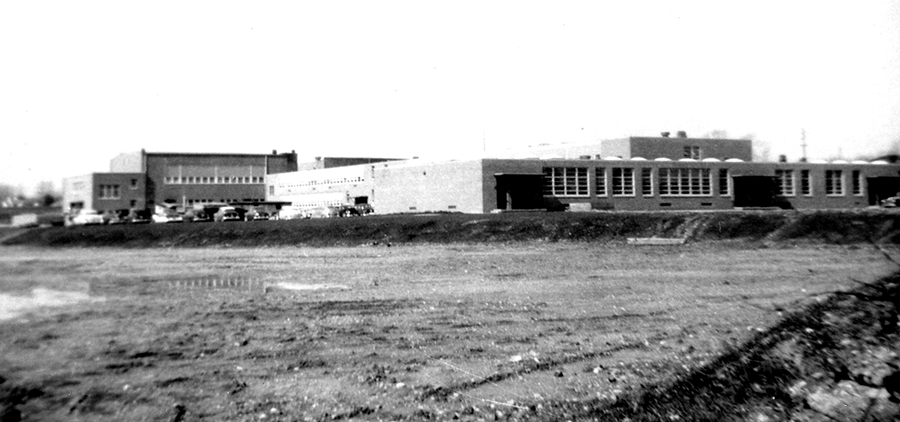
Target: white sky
[(83, 81)]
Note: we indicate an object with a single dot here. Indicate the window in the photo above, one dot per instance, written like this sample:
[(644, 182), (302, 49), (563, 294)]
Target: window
[(684, 182), (857, 183), (785, 180), (724, 183), (647, 182), (134, 183), (622, 181), (566, 181), (692, 152), (109, 192), (600, 181), (834, 183), (271, 190), (805, 183)]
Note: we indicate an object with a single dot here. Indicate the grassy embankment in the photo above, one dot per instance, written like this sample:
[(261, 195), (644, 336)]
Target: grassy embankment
[(832, 227)]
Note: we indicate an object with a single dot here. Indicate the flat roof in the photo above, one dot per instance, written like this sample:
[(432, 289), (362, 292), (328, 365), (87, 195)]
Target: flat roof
[(218, 154)]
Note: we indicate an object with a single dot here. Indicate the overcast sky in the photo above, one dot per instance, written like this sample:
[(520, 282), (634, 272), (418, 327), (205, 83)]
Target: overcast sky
[(83, 81)]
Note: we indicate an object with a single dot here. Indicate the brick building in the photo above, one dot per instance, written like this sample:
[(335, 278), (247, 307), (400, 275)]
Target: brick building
[(638, 173), (185, 179), (141, 179)]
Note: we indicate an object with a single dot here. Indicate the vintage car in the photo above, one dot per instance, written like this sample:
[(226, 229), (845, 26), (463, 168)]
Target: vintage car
[(364, 209), (167, 217), (86, 217), (348, 211), (139, 216), (195, 215), (115, 217), (227, 214), (291, 213), (327, 211), (254, 215)]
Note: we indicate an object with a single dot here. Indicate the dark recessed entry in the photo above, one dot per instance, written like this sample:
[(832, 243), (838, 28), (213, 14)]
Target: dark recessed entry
[(520, 191)]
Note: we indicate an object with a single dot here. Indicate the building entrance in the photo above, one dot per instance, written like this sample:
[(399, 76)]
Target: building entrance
[(881, 188), (757, 191), (520, 191)]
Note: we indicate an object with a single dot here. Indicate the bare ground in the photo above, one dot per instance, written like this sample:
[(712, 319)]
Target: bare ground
[(530, 331)]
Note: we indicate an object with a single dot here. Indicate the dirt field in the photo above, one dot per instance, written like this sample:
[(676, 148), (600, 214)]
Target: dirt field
[(524, 331)]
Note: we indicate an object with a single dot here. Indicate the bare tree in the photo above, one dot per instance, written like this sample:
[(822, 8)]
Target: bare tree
[(8, 191), (47, 193), (891, 153), (762, 150), (716, 134)]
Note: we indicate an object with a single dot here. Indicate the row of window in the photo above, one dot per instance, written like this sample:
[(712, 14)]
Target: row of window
[(109, 192), (313, 204), (692, 152), (221, 200), (321, 182), (210, 180), (834, 182), (573, 181)]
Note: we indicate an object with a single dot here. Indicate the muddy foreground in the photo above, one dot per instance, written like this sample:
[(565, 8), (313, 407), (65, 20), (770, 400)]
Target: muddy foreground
[(529, 331)]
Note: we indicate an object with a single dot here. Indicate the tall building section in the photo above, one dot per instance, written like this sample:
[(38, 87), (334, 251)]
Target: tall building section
[(144, 179)]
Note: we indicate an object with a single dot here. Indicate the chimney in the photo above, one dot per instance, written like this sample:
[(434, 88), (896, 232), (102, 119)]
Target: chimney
[(682, 134), (664, 134), (274, 152), (782, 158)]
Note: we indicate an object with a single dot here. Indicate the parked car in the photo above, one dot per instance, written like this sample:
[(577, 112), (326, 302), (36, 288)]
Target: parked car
[(86, 217), (196, 216), (256, 215), (364, 209), (227, 214), (327, 211), (348, 211), (169, 217), (115, 217), (291, 213), (139, 216)]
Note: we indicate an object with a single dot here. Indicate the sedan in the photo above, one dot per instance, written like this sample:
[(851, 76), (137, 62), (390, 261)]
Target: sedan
[(86, 217), (227, 216), (167, 218)]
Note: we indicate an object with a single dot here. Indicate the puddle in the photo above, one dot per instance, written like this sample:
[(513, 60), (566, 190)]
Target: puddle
[(236, 283), (298, 286), (12, 306), (247, 284)]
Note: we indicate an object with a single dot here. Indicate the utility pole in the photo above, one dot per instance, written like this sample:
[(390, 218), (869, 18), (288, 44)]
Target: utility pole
[(803, 143)]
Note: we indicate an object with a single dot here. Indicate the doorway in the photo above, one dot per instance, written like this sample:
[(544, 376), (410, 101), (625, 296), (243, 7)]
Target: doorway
[(881, 188), (757, 191), (521, 191)]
